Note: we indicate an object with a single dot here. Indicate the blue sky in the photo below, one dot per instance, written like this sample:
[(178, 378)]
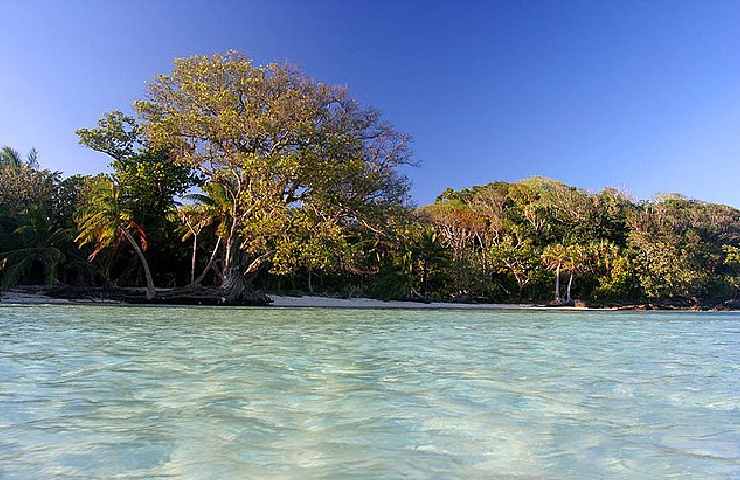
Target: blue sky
[(640, 95)]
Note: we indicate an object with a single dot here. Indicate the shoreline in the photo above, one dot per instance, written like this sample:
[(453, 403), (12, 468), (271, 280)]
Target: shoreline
[(20, 297), (36, 296), (280, 301), (24, 297)]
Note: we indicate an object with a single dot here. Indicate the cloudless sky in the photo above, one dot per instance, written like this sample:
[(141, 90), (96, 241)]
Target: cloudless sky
[(640, 95)]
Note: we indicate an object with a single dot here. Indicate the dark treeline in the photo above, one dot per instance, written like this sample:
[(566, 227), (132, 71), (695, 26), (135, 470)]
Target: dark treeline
[(234, 178)]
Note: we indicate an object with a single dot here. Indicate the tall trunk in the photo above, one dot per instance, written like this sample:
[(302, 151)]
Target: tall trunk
[(424, 270), (209, 265), (567, 291), (557, 284), (310, 287), (150, 288), (238, 280), (521, 282), (232, 241), (228, 254), (192, 260), (233, 284)]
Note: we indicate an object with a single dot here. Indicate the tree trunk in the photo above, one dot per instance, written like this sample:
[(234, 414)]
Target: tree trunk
[(557, 284), (238, 275), (228, 255), (567, 291), (238, 278), (192, 260), (234, 286), (209, 265), (237, 285), (310, 287), (233, 248), (150, 288), (424, 276)]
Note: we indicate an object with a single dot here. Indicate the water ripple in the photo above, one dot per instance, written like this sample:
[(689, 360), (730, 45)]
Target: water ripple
[(145, 393)]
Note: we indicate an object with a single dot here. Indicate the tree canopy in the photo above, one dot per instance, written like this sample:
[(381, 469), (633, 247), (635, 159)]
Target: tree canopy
[(237, 177), (291, 154)]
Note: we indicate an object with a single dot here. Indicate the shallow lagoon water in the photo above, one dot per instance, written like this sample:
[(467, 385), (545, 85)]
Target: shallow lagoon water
[(208, 393)]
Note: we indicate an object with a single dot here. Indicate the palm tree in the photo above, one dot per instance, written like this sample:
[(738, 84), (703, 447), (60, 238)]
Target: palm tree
[(41, 242), (430, 255), (574, 264), (9, 157), (571, 258), (555, 257), (216, 207), (104, 222)]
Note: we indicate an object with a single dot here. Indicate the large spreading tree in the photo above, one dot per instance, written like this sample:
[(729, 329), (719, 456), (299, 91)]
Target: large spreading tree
[(291, 154)]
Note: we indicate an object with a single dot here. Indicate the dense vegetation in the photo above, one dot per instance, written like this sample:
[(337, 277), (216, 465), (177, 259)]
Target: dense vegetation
[(236, 178)]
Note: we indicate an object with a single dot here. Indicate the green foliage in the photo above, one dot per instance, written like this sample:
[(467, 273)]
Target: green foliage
[(102, 217), (678, 245), (295, 158), (104, 221), (32, 236), (65, 200), (616, 282), (117, 135), (517, 259), (38, 248), (146, 181), (604, 246), (18, 264), (22, 187), (271, 177), (10, 157), (413, 265)]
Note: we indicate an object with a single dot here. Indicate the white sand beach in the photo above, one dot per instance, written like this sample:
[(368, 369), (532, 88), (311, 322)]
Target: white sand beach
[(23, 297), (329, 302), (28, 297)]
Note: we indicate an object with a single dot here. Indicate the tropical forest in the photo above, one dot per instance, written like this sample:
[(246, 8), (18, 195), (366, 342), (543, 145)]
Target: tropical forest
[(230, 180)]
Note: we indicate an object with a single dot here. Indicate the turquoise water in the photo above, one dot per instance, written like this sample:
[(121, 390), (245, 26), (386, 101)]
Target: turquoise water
[(150, 393)]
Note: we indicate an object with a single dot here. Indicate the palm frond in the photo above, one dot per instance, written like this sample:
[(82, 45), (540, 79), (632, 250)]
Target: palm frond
[(199, 197), (16, 264), (10, 157)]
